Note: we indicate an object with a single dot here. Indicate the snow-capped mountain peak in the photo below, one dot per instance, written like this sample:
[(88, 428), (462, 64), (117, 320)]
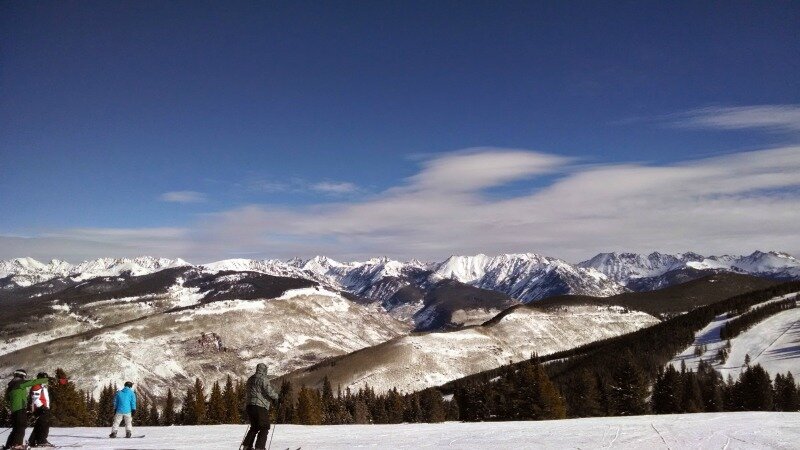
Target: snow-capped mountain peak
[(525, 276), (635, 268)]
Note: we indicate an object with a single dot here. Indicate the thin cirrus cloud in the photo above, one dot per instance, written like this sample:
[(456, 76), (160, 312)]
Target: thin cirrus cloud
[(182, 197), (299, 185), (328, 187), (732, 203), (778, 118)]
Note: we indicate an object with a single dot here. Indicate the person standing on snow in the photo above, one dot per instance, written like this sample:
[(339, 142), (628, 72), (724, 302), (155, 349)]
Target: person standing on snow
[(40, 407), (17, 401), (124, 408), (259, 391)]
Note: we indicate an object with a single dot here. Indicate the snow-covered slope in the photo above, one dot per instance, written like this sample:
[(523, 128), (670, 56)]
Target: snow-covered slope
[(526, 276), (657, 270), (167, 349), (757, 430), (418, 361), (773, 343)]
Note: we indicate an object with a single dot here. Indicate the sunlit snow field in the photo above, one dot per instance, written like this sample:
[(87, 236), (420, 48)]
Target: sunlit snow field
[(705, 431)]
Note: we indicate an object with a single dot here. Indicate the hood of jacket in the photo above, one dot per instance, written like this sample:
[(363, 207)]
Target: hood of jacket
[(261, 370)]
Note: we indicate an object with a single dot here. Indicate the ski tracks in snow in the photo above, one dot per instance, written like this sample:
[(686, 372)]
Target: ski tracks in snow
[(606, 433), (660, 435)]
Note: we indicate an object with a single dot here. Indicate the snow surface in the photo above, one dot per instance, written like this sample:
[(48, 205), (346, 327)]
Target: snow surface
[(774, 343), (748, 430)]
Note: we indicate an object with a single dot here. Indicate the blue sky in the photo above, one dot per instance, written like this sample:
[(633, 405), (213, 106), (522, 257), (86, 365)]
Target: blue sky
[(208, 130)]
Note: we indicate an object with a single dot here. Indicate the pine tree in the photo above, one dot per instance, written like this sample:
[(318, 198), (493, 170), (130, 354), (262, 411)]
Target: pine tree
[(378, 410), (753, 390), (667, 396), (585, 398), (394, 407), (787, 397), (329, 415), (628, 387), (361, 412), (432, 406), (199, 401), (452, 411), (711, 386), (69, 407), (142, 416), (105, 406), (154, 418), (231, 402), (551, 405), (216, 406), (309, 407), (241, 397), (189, 408), (168, 414), (692, 396), (537, 397), (286, 412)]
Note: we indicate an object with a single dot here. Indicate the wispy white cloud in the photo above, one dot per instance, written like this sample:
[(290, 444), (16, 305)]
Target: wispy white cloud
[(725, 204), (183, 197), (299, 185), (783, 118), (329, 187)]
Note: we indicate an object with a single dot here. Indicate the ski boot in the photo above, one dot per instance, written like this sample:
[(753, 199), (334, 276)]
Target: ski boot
[(113, 434), (128, 434)]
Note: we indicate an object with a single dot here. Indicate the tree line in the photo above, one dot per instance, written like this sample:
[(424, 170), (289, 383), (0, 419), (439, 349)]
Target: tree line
[(738, 325), (225, 404), (686, 391)]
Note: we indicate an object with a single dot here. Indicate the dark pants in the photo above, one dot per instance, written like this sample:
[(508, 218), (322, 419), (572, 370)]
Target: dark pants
[(41, 429), (259, 425), (19, 421)]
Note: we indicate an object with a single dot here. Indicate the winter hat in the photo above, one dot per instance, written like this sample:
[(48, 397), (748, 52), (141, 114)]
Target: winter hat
[(128, 384), (42, 375), (20, 373)]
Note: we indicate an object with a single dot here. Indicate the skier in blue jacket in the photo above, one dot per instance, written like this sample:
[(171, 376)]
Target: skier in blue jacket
[(124, 408)]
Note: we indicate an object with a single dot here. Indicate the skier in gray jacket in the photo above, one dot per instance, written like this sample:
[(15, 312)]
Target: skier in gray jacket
[(259, 391)]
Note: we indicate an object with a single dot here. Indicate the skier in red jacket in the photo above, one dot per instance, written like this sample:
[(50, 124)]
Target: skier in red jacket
[(40, 408)]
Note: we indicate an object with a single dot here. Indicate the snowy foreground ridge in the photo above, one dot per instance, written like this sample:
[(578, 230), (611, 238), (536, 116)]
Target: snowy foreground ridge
[(749, 430)]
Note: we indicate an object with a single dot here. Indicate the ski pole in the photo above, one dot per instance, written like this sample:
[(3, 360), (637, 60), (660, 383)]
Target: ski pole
[(246, 430), (6, 431), (274, 427)]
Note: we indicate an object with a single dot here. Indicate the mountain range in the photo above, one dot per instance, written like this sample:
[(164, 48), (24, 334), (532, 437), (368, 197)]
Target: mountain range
[(160, 320), (525, 277)]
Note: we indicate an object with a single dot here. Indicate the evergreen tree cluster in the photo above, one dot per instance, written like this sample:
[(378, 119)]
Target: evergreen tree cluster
[(323, 407), (736, 326), (522, 392), (685, 391)]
